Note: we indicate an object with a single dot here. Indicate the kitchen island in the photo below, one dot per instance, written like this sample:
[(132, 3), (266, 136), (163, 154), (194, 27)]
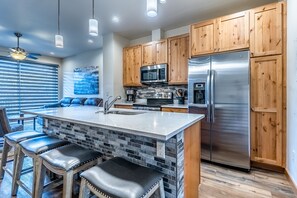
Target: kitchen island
[(166, 142)]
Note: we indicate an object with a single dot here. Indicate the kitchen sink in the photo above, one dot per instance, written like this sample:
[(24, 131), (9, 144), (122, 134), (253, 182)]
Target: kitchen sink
[(125, 112)]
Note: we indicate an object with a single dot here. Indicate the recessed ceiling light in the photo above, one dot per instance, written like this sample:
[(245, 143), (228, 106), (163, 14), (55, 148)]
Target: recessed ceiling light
[(162, 1), (115, 19), (52, 53), (90, 41)]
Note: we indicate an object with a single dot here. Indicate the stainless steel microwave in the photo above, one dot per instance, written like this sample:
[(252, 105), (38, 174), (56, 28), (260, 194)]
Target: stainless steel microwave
[(153, 74)]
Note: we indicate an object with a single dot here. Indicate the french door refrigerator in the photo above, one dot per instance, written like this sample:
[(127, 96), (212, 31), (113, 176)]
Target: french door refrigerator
[(219, 88)]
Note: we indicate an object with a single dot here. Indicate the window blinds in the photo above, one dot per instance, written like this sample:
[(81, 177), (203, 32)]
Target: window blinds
[(27, 85)]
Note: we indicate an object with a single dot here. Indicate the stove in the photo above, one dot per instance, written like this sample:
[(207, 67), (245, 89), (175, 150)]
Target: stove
[(154, 103)]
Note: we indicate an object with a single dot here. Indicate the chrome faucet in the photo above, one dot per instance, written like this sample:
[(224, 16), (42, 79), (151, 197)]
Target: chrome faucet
[(108, 105)]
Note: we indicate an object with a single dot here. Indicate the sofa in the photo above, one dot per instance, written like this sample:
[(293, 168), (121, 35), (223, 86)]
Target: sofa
[(73, 102)]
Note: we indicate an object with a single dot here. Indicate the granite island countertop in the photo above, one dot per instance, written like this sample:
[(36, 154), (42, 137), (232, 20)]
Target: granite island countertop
[(154, 124)]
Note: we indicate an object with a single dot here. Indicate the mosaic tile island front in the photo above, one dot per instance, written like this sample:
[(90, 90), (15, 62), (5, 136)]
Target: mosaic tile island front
[(139, 148)]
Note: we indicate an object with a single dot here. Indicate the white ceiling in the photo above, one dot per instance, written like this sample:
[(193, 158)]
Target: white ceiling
[(37, 20)]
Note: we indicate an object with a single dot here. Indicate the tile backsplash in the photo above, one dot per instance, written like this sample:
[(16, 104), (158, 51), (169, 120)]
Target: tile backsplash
[(148, 92)]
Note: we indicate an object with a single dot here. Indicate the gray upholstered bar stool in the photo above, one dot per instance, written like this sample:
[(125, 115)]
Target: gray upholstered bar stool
[(12, 140), (119, 178), (33, 148), (66, 161)]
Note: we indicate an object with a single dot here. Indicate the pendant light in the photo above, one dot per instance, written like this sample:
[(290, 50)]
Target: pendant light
[(151, 8), (93, 23), (58, 37)]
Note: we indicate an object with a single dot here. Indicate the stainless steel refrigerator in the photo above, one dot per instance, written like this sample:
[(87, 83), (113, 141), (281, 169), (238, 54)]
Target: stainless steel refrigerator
[(219, 88)]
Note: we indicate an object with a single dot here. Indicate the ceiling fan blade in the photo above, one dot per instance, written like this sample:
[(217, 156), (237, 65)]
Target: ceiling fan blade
[(12, 49), (34, 54), (32, 57)]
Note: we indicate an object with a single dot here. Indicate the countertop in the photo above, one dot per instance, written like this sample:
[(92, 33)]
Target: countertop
[(182, 106), (154, 124)]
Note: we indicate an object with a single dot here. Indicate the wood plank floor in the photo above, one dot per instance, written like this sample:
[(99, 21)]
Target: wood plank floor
[(221, 182), (217, 182)]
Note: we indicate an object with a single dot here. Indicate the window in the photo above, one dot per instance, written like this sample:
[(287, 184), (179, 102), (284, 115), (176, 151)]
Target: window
[(27, 85)]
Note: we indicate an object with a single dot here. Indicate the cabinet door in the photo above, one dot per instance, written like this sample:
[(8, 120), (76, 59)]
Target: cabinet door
[(132, 64), (148, 50), (161, 52), (266, 110), (176, 110), (266, 30), (232, 32), (137, 64), (178, 59), (202, 38)]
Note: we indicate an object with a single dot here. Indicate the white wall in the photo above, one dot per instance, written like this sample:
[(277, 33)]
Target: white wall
[(167, 34), (90, 58), (292, 91), (113, 45)]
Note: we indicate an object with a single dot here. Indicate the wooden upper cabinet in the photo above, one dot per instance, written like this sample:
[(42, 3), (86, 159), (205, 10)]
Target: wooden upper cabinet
[(232, 32), (266, 110), (131, 66), (202, 38), (148, 53), (266, 30), (161, 52), (154, 53), (178, 48)]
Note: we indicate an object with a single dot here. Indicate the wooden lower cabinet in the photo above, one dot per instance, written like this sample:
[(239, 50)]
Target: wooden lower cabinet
[(123, 106), (177, 110), (266, 110)]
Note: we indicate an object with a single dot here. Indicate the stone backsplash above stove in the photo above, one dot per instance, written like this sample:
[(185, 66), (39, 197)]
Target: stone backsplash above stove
[(149, 92)]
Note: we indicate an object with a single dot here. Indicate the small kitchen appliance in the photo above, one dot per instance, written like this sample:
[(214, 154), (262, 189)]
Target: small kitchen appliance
[(130, 95)]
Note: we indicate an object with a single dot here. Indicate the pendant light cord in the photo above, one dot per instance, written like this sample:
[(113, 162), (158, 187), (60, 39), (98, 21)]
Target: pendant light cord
[(93, 9), (59, 17)]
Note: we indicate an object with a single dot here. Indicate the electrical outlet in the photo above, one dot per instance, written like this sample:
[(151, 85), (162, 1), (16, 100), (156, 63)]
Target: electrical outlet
[(293, 155), (161, 149)]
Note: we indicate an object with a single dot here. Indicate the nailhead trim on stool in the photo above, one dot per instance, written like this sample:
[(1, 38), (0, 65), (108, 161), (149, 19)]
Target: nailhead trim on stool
[(32, 148), (70, 159), (12, 140), (119, 178)]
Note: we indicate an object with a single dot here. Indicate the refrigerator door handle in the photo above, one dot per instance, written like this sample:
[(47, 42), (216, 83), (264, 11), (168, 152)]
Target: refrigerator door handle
[(212, 84), (208, 84)]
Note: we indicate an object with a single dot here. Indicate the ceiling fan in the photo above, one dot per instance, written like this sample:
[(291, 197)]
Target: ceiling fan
[(18, 53)]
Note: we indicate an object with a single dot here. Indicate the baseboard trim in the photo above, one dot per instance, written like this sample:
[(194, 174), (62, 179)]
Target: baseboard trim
[(291, 181), (268, 167)]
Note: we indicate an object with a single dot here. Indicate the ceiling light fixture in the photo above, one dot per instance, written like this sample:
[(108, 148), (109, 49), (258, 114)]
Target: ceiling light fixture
[(58, 37), (151, 8), (115, 19), (162, 1), (18, 53), (93, 23)]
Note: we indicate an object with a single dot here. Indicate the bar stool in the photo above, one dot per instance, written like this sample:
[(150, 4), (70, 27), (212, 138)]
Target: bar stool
[(119, 178), (66, 161), (33, 148), (12, 140)]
